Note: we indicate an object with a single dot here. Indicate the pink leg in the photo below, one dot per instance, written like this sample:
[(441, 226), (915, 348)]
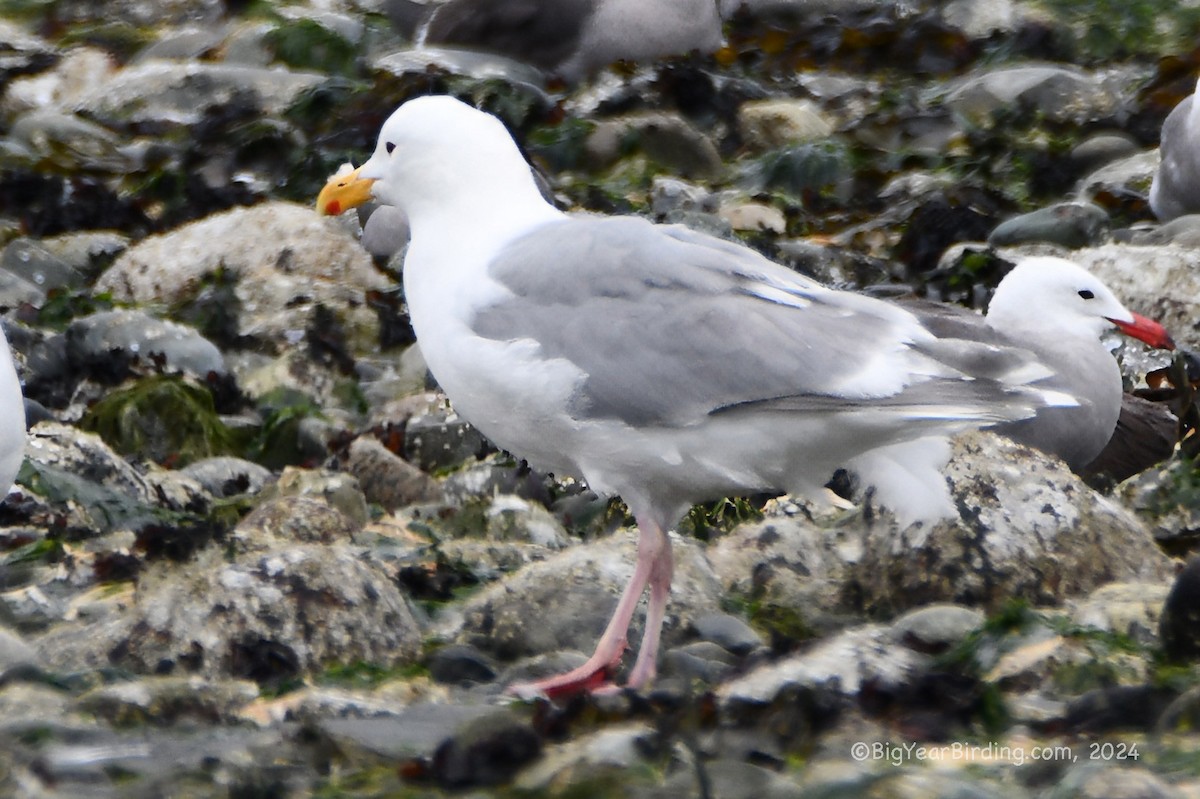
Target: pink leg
[(646, 665), (596, 671)]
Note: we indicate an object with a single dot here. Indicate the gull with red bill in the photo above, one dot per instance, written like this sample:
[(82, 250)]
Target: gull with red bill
[(664, 365)]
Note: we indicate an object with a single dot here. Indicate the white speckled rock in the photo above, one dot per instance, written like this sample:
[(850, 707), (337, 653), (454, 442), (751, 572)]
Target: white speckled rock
[(285, 259), (1028, 528)]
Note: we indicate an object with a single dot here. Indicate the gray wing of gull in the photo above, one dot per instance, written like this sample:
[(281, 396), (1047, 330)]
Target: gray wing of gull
[(669, 326)]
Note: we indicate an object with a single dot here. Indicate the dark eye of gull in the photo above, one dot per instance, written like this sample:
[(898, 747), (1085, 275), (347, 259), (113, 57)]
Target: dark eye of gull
[(1085, 293), (389, 147)]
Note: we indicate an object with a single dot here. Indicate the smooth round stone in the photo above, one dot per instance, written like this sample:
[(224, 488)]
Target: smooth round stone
[(728, 632)]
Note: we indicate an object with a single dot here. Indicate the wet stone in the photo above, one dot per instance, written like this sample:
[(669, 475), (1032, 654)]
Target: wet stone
[(936, 628), (1071, 225), (436, 442), (226, 476), (458, 663), (728, 632), (139, 335), (386, 478)]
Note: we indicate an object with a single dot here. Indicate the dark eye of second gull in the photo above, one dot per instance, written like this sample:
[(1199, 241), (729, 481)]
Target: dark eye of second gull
[(389, 147), (1086, 294)]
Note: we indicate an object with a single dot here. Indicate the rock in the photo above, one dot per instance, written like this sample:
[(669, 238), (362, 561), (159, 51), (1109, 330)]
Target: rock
[(226, 476), (1130, 175), (1100, 149), (1072, 225), (730, 779), (386, 478), (616, 749), (136, 334), (163, 93), (289, 520), (1128, 609), (1123, 781), (1060, 93), (699, 660), (670, 195), (80, 70), (269, 616), (729, 632), (440, 441), (85, 455), (936, 628), (756, 217), (16, 656), (979, 19), (32, 262), (340, 491), (788, 564), (458, 663), (1028, 528), (165, 700), (767, 124), (458, 746), (1179, 626), (284, 262), (1183, 231), (842, 664), (666, 139), (572, 595)]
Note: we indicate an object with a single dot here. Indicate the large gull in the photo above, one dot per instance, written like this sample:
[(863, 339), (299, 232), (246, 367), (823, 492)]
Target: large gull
[(1058, 310), (1175, 189), (573, 38), (661, 364), (12, 430)]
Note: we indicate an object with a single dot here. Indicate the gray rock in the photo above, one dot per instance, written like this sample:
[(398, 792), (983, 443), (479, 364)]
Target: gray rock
[(700, 660), (86, 456), (285, 262), (386, 478), (1100, 149), (339, 490), (728, 632), (1071, 224), (288, 520), (474, 64), (458, 663), (71, 143), (15, 655), (174, 93), (789, 562), (270, 616), (1095, 780), (571, 596), (33, 262), (164, 700), (731, 779), (1028, 528), (936, 628), (767, 124), (138, 334), (1129, 174), (225, 476), (1183, 231), (465, 745), (1128, 609), (441, 441), (666, 139), (979, 19), (616, 747), (1061, 93), (670, 195), (842, 664)]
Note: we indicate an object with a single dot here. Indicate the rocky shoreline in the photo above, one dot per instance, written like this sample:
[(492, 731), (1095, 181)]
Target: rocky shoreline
[(254, 553)]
